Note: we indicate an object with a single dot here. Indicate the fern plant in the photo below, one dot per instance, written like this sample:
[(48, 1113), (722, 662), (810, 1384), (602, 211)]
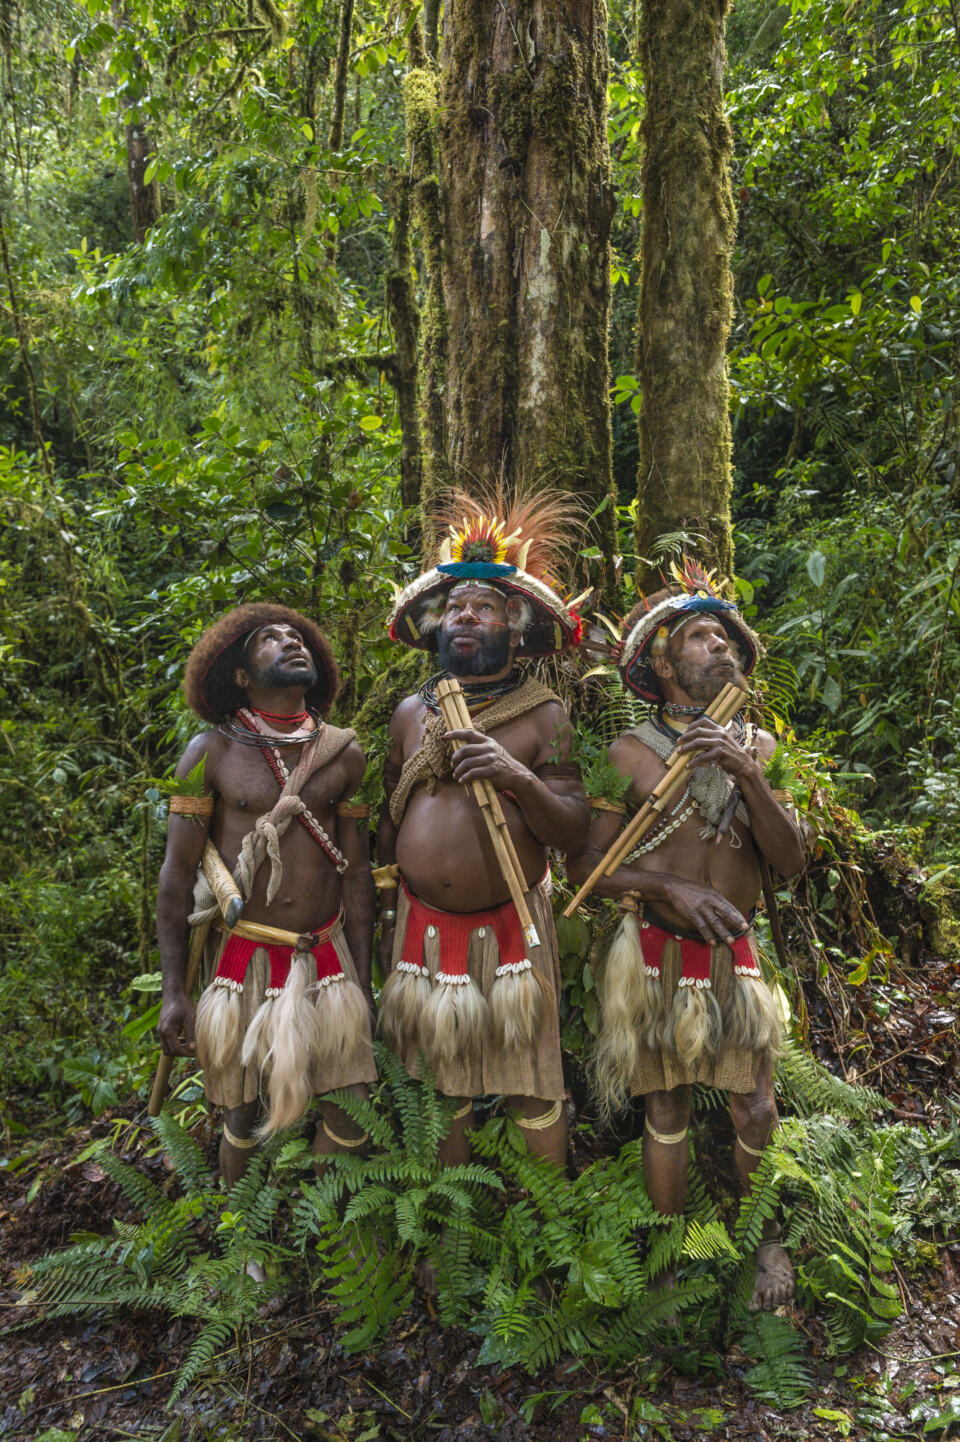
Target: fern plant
[(187, 1257), (836, 1188), (369, 1220)]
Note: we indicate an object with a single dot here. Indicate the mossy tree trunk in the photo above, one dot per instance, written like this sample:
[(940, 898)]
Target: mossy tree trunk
[(144, 194), (686, 293), (514, 206)]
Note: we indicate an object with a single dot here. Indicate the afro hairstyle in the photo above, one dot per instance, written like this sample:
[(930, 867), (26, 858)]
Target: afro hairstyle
[(208, 683)]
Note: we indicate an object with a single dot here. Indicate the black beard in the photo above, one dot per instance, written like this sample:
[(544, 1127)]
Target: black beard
[(276, 676), (701, 683), (492, 656)]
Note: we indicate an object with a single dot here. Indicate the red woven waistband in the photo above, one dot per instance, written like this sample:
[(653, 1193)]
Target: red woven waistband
[(236, 955), (454, 929), (694, 955)]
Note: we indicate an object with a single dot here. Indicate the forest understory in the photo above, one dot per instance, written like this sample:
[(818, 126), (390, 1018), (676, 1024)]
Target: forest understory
[(272, 277)]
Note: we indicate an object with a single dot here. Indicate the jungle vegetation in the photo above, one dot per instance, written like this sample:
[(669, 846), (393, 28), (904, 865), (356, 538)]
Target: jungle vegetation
[(272, 277)]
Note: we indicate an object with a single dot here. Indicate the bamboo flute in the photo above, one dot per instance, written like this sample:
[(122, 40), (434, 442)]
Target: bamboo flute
[(722, 709), (456, 716)]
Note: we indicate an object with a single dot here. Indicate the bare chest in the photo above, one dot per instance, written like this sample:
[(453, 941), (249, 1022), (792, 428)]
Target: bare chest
[(247, 785)]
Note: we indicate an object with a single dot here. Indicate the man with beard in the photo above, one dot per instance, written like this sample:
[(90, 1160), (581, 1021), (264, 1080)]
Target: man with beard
[(467, 990), (682, 997), (287, 1006)]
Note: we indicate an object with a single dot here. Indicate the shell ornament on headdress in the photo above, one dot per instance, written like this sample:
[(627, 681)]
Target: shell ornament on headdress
[(512, 546), (650, 625)]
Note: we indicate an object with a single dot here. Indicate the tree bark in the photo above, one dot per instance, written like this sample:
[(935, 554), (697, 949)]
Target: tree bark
[(686, 288), (144, 195), (515, 217), (341, 75), (401, 297)]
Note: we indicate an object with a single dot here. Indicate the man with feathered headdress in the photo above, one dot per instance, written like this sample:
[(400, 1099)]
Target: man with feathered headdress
[(682, 996), (286, 1013), (466, 988)]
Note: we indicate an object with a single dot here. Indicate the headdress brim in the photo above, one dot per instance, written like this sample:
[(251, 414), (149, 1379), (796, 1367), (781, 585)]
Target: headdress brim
[(414, 618), (634, 665), (208, 683)]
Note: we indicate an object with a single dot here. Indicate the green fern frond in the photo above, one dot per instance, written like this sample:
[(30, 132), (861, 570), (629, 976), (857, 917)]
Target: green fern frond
[(212, 1339), (808, 1088), (782, 1375), (187, 1157), (709, 1243)]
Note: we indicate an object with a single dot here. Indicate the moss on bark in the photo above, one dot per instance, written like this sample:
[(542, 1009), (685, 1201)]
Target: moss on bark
[(401, 297), (686, 296), (515, 221), (420, 93)]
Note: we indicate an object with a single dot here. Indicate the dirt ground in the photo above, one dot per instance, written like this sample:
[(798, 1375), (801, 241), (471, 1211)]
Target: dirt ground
[(289, 1378)]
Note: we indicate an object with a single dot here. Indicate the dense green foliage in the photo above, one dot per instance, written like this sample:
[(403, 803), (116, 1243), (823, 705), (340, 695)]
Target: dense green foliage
[(210, 415), (219, 420)]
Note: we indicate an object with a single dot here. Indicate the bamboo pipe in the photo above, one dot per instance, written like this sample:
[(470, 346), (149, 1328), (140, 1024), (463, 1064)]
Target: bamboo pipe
[(458, 705), (456, 716), (664, 791), (194, 957), (722, 709)]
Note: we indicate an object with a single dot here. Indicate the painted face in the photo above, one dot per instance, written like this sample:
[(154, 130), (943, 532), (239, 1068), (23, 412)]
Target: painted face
[(278, 656), (473, 638), (703, 659)]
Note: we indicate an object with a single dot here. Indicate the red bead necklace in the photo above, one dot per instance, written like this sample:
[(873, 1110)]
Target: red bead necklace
[(295, 718)]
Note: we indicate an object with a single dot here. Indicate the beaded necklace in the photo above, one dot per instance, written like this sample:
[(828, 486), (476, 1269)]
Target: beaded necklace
[(279, 768), (474, 695)]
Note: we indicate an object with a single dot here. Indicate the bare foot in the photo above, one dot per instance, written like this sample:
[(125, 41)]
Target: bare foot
[(270, 1306), (662, 1285), (774, 1282), (425, 1276)]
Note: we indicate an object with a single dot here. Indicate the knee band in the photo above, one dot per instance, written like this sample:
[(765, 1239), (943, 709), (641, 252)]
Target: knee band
[(344, 1141), (750, 1151), (540, 1124), (667, 1139), (242, 1144)]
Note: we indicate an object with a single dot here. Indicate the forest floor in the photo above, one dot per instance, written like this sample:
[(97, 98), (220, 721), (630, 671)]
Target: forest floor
[(290, 1379)]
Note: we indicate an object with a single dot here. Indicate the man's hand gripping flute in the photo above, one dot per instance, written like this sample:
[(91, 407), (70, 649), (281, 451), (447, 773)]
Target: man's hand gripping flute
[(453, 709), (722, 710), (519, 996)]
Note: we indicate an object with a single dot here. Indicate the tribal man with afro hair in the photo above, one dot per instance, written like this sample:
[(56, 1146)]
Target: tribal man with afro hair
[(286, 1010)]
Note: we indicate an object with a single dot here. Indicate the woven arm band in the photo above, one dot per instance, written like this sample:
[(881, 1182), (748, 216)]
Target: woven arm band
[(558, 771), (600, 803), (360, 810), (191, 805)]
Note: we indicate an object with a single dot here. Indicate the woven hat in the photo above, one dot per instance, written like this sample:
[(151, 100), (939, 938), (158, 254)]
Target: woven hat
[(511, 545), (208, 682), (693, 591)]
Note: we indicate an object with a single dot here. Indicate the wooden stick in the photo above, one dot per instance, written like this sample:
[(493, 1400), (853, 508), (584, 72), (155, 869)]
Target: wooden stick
[(722, 709), (194, 957), (456, 716)]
